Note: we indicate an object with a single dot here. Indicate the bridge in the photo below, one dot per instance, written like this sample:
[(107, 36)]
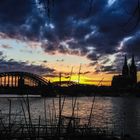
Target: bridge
[(23, 83)]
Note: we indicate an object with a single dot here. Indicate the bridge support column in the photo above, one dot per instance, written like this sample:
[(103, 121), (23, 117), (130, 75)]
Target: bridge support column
[(4, 80), (1, 81), (12, 80), (15, 81), (21, 81), (8, 81)]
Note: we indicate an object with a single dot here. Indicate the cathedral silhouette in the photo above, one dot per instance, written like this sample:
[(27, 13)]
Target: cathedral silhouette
[(128, 78)]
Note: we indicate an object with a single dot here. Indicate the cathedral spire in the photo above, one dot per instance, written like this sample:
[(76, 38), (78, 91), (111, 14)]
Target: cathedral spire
[(125, 70), (133, 70)]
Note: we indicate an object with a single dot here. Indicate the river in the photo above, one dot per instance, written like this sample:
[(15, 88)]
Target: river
[(118, 114)]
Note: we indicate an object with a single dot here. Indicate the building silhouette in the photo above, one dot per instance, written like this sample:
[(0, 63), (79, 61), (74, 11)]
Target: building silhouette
[(128, 78)]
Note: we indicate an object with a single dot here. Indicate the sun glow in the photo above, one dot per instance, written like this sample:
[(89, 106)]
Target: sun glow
[(91, 79)]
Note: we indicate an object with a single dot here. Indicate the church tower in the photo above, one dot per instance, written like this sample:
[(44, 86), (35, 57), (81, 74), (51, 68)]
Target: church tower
[(133, 70), (125, 70)]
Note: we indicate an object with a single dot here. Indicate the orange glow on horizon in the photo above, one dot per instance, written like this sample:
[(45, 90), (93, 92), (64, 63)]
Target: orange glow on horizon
[(91, 79), (96, 79)]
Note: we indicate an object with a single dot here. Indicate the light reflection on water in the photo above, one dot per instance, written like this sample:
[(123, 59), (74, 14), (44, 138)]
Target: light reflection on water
[(120, 114)]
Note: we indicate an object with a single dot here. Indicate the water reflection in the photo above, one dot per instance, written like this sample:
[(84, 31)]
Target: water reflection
[(121, 115), (127, 114)]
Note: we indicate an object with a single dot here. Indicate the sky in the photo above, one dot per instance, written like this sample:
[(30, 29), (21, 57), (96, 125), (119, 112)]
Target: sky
[(93, 34)]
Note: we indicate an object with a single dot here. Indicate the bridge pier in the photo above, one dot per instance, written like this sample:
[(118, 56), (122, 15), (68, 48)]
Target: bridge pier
[(1, 81), (12, 80), (21, 81), (8, 81), (4, 80), (15, 81)]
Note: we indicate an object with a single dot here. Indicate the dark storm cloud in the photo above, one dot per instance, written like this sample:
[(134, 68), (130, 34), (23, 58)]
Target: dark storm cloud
[(73, 29), (133, 44), (11, 64), (104, 27), (14, 11), (108, 68)]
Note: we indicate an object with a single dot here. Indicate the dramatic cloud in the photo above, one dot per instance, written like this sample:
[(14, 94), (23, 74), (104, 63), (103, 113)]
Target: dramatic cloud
[(133, 44), (94, 30), (8, 65)]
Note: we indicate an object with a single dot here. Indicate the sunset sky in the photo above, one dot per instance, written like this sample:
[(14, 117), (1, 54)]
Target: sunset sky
[(94, 34)]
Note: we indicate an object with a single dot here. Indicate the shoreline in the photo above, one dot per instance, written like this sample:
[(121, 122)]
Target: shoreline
[(64, 95)]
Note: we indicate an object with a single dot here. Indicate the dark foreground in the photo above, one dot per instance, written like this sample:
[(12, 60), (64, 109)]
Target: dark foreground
[(37, 132), (56, 125)]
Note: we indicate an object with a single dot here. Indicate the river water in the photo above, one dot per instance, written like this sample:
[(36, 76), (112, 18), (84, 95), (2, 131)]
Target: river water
[(118, 114)]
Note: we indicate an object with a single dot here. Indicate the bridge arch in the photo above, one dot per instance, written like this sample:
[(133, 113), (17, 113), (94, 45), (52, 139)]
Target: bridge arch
[(21, 79)]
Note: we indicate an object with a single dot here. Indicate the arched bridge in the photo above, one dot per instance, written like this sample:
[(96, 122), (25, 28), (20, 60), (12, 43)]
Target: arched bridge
[(22, 82)]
